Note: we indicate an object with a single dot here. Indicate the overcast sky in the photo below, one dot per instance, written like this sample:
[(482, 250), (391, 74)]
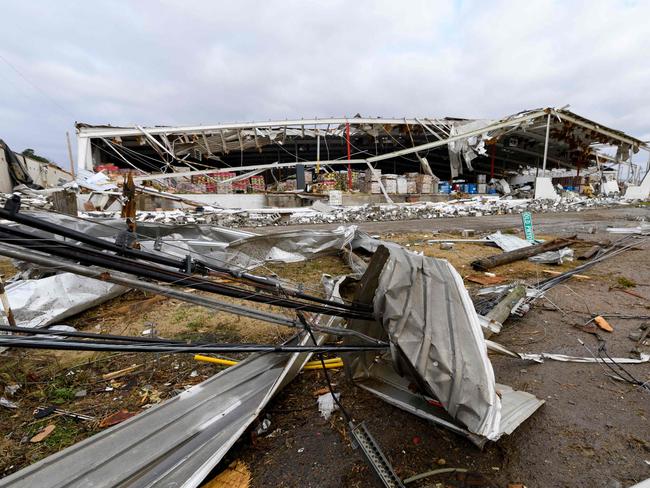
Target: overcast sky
[(201, 62)]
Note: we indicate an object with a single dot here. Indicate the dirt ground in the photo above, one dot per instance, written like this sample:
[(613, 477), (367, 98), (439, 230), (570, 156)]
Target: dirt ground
[(592, 431)]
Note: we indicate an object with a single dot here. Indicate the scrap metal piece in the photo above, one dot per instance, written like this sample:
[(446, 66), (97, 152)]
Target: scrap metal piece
[(508, 242), (437, 346), (175, 443), (374, 456), (437, 337)]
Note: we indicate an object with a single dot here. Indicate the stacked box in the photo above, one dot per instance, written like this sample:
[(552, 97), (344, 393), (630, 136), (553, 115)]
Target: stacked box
[(241, 185), (411, 186), (390, 183), (425, 184), (288, 185), (372, 174), (257, 183), (402, 185), (482, 188), (224, 187), (481, 179), (371, 180)]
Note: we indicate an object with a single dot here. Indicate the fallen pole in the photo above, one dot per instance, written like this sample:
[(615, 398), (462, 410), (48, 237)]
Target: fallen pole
[(65, 345), (91, 257), (175, 263), (501, 310), (522, 253), (121, 279)]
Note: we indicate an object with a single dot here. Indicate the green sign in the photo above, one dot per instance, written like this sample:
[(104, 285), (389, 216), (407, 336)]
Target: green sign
[(527, 220)]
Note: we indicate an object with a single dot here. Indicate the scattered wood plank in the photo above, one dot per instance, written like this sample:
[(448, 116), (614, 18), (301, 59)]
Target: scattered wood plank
[(629, 292), (501, 311), (237, 475), (116, 418), (589, 253), (122, 372), (43, 434), (485, 280), (603, 324), (556, 273)]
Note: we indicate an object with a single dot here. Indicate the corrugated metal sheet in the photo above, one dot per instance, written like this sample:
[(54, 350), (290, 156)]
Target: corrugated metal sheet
[(508, 242)]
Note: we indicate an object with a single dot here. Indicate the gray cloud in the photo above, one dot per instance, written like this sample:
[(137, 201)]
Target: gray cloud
[(195, 62)]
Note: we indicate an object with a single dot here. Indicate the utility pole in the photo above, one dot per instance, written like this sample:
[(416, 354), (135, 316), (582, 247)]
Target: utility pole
[(67, 137)]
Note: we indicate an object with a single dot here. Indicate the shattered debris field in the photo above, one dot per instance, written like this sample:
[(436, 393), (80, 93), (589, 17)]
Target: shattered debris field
[(592, 430)]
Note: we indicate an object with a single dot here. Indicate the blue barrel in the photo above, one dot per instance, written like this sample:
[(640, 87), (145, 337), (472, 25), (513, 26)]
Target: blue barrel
[(444, 188), (472, 188)]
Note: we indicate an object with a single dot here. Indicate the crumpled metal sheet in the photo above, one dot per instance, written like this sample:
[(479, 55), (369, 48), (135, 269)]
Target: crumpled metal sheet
[(540, 357), (223, 246), (38, 303), (178, 442), (644, 358), (553, 257), (467, 149), (429, 317), (288, 247), (508, 242), (175, 443)]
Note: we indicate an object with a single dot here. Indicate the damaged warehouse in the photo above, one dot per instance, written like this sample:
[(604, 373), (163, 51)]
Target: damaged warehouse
[(183, 351), (393, 157)]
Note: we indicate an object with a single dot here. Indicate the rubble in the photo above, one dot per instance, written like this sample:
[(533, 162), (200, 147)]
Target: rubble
[(401, 304), (474, 207)]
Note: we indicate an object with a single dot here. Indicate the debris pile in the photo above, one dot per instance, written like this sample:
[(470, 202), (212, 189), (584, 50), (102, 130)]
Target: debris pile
[(323, 214), (402, 324)]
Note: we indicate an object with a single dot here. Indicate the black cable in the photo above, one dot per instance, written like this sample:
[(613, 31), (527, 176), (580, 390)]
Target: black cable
[(602, 347), (86, 335), (345, 413), (12, 341), (43, 225), (144, 270), (91, 335)]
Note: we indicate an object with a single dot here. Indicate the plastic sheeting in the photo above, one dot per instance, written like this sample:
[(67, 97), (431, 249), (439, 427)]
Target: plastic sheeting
[(38, 303), (466, 149), (430, 319)]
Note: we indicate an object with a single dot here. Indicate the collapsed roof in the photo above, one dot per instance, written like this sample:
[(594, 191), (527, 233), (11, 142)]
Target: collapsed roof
[(449, 146)]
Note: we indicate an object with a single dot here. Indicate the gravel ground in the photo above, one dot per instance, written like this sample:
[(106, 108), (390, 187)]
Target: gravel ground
[(591, 432)]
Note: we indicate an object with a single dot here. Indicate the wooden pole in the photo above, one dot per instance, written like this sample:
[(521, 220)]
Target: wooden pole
[(518, 254), (67, 137)]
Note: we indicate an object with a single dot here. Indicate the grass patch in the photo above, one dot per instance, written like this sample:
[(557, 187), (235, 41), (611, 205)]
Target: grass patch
[(58, 396), (624, 282)]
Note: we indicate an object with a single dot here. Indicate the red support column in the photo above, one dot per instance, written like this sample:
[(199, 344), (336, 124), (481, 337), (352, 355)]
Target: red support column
[(347, 136)]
